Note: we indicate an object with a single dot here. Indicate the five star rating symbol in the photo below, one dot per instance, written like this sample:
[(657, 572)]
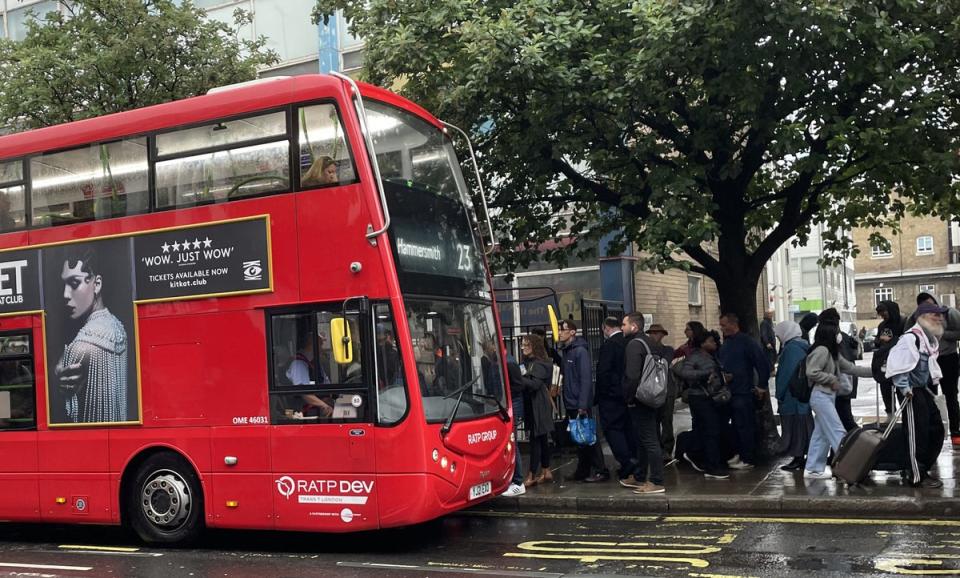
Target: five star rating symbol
[(187, 244)]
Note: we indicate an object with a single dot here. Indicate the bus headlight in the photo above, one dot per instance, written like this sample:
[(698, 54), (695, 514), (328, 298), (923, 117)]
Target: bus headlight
[(443, 462), (435, 455), (509, 447), (453, 467)]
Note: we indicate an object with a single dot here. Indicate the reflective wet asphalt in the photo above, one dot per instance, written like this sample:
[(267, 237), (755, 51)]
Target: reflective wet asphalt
[(501, 544)]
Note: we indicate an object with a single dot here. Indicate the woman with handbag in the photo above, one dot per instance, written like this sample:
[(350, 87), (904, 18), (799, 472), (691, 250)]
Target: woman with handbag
[(536, 380), (706, 393)]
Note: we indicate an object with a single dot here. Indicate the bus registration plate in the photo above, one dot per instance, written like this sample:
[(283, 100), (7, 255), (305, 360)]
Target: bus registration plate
[(480, 490)]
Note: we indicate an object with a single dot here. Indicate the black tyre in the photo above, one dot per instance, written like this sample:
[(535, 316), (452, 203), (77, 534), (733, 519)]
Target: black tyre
[(164, 503)]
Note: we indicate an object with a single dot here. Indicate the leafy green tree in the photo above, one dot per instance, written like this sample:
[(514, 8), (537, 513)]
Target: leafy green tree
[(106, 56), (705, 132)]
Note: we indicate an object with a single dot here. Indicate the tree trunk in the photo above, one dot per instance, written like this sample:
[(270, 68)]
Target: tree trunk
[(738, 294)]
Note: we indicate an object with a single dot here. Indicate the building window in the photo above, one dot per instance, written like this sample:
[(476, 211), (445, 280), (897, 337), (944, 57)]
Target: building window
[(925, 245), (878, 252), (694, 290), (809, 272), (931, 289), (882, 294)]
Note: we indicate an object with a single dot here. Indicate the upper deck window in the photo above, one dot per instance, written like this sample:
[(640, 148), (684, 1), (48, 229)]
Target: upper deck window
[(324, 154), (223, 161), (99, 181), (12, 213)]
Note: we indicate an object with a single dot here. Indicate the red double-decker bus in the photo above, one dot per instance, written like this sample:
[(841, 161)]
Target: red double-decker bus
[(266, 307)]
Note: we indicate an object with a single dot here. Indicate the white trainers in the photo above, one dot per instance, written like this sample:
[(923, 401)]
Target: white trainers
[(692, 463), (734, 460), (515, 490), (808, 475), (738, 465)]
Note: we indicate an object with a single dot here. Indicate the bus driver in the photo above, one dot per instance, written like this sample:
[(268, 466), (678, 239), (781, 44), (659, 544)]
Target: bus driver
[(301, 372)]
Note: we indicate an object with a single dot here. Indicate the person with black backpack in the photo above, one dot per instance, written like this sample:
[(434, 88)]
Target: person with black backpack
[(824, 365), (796, 420)]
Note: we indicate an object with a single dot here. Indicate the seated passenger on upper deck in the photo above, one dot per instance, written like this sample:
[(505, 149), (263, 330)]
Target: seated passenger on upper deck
[(322, 172)]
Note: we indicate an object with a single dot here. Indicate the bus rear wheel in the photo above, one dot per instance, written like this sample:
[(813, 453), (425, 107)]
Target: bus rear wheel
[(164, 503)]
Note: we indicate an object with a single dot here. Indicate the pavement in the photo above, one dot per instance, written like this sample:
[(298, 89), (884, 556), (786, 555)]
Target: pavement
[(765, 490)]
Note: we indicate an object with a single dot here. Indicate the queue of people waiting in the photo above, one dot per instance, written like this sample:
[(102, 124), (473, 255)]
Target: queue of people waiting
[(724, 378)]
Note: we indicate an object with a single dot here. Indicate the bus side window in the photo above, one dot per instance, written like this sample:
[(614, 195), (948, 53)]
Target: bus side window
[(100, 181), (308, 386), (223, 161), (17, 383), (324, 155), (12, 201)]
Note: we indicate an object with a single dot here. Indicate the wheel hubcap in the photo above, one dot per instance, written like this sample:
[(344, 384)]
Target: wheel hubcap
[(165, 499)]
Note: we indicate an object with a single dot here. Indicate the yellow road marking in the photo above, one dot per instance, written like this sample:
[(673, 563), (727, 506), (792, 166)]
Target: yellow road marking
[(720, 519), (587, 559), (556, 516), (808, 521), (615, 547), (894, 567), (695, 575), (98, 548)]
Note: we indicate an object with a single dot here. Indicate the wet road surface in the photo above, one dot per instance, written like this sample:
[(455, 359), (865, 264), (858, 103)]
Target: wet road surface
[(495, 544)]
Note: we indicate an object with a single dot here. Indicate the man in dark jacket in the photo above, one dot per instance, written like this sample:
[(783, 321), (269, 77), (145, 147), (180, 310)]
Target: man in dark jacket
[(655, 334), (743, 361), (613, 411), (767, 337), (649, 470), (578, 398), (888, 333)]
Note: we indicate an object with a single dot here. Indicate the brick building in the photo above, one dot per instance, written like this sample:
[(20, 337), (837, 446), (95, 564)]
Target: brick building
[(924, 256), (675, 297)]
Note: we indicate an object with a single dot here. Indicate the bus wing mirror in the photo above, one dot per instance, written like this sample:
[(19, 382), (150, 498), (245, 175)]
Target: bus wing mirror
[(341, 341), (554, 323)]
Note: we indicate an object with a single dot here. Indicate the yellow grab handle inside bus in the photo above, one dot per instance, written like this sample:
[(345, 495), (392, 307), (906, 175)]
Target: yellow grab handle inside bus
[(554, 323), (341, 341)]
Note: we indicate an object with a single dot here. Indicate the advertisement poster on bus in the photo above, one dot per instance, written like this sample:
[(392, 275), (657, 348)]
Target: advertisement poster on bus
[(91, 358)]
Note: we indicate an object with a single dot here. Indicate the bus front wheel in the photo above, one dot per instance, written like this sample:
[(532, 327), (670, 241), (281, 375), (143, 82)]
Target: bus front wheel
[(164, 503)]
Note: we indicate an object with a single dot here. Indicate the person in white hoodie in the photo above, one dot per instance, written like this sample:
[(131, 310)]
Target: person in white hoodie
[(914, 369)]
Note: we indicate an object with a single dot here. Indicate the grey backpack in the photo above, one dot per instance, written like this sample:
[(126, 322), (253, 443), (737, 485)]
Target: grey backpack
[(652, 390)]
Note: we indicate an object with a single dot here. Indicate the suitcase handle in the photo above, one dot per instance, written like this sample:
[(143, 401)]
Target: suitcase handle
[(896, 416)]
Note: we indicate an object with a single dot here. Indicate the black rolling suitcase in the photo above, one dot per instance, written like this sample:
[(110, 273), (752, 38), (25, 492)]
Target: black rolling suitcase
[(860, 449), (894, 455)]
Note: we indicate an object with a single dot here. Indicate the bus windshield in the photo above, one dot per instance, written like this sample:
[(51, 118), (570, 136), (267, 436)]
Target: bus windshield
[(455, 344), (434, 244), (437, 254)]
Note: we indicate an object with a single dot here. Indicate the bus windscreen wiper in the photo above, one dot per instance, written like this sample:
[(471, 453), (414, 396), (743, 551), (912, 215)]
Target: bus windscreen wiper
[(453, 414), (504, 415)]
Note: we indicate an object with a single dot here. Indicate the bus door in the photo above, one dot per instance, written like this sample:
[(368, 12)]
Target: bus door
[(322, 434), (19, 490)]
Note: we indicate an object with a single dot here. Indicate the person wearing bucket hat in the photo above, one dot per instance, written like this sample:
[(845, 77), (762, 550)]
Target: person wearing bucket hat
[(665, 413), (914, 368), (949, 361)]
